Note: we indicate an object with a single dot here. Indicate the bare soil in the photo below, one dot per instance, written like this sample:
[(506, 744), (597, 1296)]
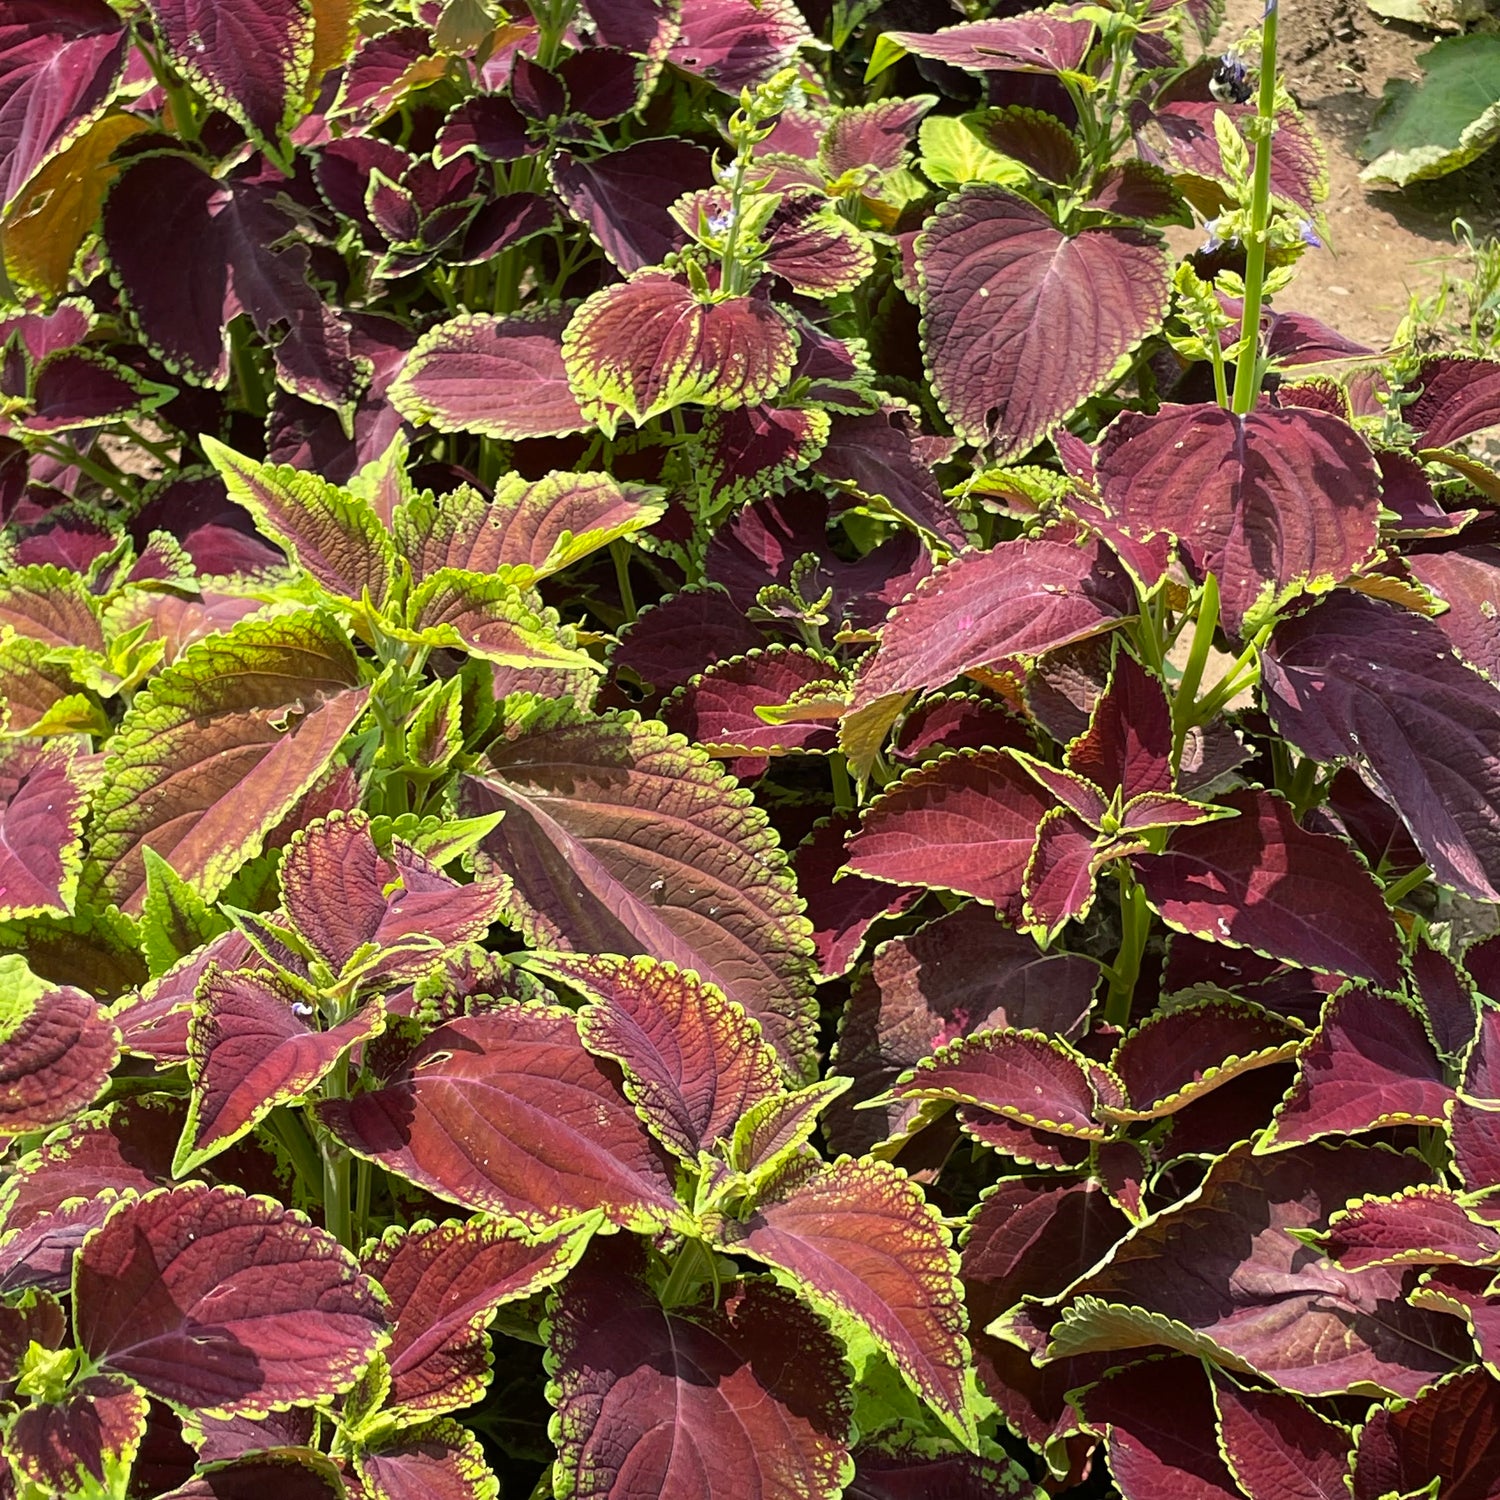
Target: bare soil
[(1337, 56)]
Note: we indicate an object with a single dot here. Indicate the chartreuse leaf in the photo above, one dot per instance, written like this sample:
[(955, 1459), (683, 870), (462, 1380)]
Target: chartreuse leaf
[(860, 1238), (175, 919), (333, 533), (694, 1061), (58, 1048), (955, 152), (224, 1303), (251, 1047), (507, 1112), (776, 1129), (82, 1441), (622, 838), (701, 1401), (445, 1282), (44, 797), (217, 749)]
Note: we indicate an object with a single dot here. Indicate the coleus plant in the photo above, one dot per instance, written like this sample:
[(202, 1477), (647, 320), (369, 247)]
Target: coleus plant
[(706, 790)]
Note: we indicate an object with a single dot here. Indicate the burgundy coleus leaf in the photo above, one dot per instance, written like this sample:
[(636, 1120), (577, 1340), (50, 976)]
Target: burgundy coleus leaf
[(1298, 167), (59, 64), (1138, 190), (250, 1049), (489, 125), (694, 1062), (966, 822), (814, 249), (1219, 1274), (671, 642), (360, 912), (88, 1436), (622, 839), (1359, 680), (841, 906), (735, 44), (507, 1112), (957, 721), (1030, 1078), (875, 135), (717, 710), (154, 1019), (85, 388), (1272, 503), (1022, 598), (648, 345), (250, 59), (1419, 1226), (1469, 582), (1058, 885), (622, 197), (57, 1053), (33, 1318), (1176, 1057), (859, 1237), (694, 1403), (226, 237), (1128, 744), (213, 1300), (1277, 1447), (908, 1473), (218, 536), (1459, 398), (998, 279), (1450, 1435), (1036, 139), (217, 1439), (963, 973), (1260, 881), (1035, 42), (218, 749), (444, 1282), (500, 377), (753, 449), (50, 605), (1370, 1065), (438, 1460), (44, 796), (289, 1476), (1447, 1000), (1481, 1079)]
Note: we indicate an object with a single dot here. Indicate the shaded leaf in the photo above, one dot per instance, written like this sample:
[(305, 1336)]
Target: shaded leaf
[(1451, 1433)]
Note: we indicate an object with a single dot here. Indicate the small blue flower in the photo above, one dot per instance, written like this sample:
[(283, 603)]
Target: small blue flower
[(1213, 242), (719, 223), (1308, 234)]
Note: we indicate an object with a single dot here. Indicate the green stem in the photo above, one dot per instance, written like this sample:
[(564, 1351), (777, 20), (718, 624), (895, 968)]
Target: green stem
[(293, 1138), (619, 550), (1248, 368), (1406, 885), (693, 1266), (337, 1209), (1135, 928), (179, 97), (843, 788), (66, 453), (1184, 701)]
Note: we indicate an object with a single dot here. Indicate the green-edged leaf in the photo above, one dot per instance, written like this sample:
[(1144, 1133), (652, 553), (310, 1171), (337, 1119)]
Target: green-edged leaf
[(859, 1237), (644, 346), (444, 1282), (86, 1438), (218, 749), (776, 1129), (51, 605), (333, 533), (44, 796), (694, 1062), (1421, 1225), (621, 838), (439, 1460), (175, 919)]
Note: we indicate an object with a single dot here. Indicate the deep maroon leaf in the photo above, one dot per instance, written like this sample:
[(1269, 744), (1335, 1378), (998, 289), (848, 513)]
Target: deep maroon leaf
[(737, 43), (1370, 1065), (218, 1439), (1271, 503), (958, 721), (92, 1431), (1035, 138), (872, 135), (1036, 42), (500, 377), (1446, 998), (756, 448), (440, 1460), (82, 388), (621, 839), (698, 1402), (1421, 1226), (1459, 397), (1128, 744), (1298, 169), (963, 973), (287, 1477), (191, 252), (1132, 189), (909, 1474), (965, 823), (1469, 581), (1059, 879), (860, 1237), (59, 61), (841, 909), (488, 125), (1279, 1448), (507, 1112), (251, 59), (214, 1300), (44, 794), (622, 198), (694, 1062), (814, 249), (1259, 881), (444, 1282), (1358, 680), (250, 1049), (1180, 1055), (648, 345), (1481, 1078), (57, 1053), (998, 280), (1451, 1433), (717, 710), (1219, 1274), (1159, 1419)]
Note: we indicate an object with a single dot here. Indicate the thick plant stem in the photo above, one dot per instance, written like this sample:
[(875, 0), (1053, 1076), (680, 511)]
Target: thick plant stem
[(1248, 367), (338, 1214), (1135, 927), (1185, 702)]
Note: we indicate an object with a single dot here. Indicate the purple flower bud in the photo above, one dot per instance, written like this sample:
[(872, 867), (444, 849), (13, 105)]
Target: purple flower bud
[(1308, 234)]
